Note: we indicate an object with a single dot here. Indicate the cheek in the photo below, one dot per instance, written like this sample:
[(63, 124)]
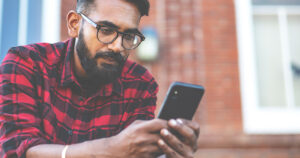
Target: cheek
[(92, 43), (126, 53)]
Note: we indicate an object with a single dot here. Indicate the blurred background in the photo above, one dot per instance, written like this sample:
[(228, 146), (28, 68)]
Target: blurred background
[(246, 53)]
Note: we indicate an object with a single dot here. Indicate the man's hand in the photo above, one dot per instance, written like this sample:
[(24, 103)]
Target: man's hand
[(182, 141), (142, 139), (139, 140)]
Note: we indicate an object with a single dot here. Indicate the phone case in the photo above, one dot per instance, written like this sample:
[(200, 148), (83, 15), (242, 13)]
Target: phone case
[(182, 101)]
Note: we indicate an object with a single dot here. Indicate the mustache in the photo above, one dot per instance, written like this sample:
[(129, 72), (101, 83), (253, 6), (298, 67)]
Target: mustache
[(111, 55)]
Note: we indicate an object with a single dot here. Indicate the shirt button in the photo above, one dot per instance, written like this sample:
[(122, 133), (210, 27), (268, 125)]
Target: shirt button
[(70, 132)]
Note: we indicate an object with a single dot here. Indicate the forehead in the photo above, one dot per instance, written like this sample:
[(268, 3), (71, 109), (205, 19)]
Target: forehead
[(120, 12)]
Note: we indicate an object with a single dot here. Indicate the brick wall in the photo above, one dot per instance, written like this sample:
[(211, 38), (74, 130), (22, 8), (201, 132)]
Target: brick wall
[(199, 45)]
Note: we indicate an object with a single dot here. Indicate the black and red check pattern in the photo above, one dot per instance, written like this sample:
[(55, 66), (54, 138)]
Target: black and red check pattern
[(41, 101)]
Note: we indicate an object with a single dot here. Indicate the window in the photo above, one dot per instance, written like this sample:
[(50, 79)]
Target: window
[(269, 59), (28, 21)]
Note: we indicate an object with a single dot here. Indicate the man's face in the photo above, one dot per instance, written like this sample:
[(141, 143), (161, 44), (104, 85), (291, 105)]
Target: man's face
[(101, 62)]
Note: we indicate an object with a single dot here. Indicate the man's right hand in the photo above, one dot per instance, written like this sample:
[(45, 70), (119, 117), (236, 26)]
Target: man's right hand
[(139, 140)]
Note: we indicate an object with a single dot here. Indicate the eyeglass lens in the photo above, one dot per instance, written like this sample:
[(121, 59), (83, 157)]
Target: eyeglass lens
[(108, 35)]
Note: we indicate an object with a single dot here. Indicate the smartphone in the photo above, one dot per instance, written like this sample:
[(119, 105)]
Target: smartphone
[(181, 101)]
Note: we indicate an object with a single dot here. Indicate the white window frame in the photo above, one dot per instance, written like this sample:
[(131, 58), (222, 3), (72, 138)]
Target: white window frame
[(23, 17), (51, 21), (257, 119)]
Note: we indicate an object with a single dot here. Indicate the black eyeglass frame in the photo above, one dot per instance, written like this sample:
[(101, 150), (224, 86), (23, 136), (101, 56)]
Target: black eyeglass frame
[(98, 27)]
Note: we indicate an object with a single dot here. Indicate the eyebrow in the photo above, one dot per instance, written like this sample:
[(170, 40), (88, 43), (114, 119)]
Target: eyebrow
[(135, 31), (110, 24)]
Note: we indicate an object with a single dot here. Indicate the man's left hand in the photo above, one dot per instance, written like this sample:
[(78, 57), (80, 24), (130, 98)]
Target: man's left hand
[(182, 141)]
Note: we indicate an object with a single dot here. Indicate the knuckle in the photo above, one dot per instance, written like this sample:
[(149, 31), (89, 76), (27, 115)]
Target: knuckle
[(197, 126), (165, 149), (140, 141), (181, 148), (191, 134)]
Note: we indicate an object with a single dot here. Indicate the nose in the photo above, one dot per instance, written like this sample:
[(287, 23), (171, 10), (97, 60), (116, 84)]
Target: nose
[(116, 46)]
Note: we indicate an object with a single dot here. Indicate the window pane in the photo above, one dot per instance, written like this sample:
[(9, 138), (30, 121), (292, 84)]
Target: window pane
[(10, 17), (270, 79), (294, 39), (34, 21), (276, 2)]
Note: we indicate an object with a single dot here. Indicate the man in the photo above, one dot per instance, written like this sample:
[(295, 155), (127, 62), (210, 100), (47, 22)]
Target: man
[(83, 98)]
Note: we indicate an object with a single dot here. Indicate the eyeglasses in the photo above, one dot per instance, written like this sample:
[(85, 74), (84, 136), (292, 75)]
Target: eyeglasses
[(108, 35)]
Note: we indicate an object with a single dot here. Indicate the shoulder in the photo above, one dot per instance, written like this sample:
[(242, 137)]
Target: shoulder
[(38, 52)]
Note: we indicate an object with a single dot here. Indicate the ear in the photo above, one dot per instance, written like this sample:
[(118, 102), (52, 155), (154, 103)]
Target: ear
[(73, 21)]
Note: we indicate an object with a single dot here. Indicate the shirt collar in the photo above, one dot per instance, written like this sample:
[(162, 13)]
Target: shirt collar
[(68, 77)]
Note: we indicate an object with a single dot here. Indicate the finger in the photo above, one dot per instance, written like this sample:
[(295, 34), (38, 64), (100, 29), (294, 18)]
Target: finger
[(192, 124), (153, 150), (147, 144), (187, 134), (170, 153), (175, 143), (149, 139), (154, 125)]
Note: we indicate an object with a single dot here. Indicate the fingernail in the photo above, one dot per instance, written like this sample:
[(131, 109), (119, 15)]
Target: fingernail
[(179, 121), (165, 132), (161, 142), (173, 122)]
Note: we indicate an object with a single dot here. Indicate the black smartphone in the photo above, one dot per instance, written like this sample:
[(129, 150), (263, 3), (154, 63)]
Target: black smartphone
[(181, 101)]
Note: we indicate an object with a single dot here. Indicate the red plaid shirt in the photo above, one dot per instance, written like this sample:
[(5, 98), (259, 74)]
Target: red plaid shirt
[(41, 102)]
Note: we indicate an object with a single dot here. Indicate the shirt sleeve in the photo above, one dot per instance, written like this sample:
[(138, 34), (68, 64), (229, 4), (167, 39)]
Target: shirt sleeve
[(19, 116), (146, 106)]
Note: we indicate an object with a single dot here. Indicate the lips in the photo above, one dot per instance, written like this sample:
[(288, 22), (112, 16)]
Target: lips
[(107, 60), (110, 59)]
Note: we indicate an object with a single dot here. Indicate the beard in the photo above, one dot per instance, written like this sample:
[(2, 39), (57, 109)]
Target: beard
[(98, 74)]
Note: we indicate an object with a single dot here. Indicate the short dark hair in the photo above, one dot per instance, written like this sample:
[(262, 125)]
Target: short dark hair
[(142, 5)]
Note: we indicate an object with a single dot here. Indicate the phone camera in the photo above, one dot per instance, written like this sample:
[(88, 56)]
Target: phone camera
[(175, 95)]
